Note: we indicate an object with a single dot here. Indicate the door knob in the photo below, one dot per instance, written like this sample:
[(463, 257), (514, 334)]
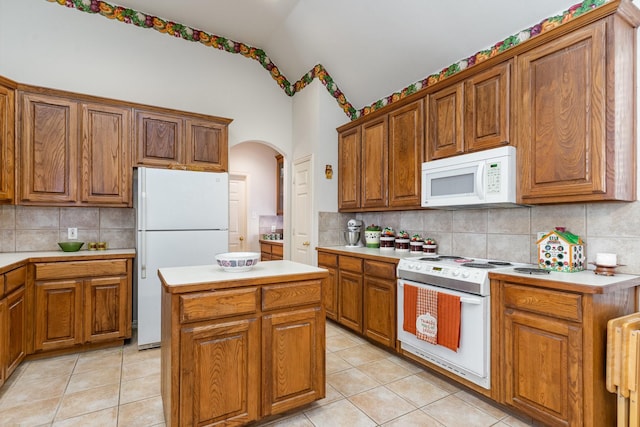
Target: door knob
[(241, 238), (306, 243)]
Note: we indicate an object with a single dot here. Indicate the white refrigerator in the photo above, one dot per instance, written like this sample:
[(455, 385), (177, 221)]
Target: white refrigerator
[(182, 219)]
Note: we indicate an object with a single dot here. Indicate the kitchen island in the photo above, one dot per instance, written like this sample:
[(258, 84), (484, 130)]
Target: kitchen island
[(239, 347)]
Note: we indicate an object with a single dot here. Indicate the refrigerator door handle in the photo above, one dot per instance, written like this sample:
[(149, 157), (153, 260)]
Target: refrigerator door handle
[(143, 254), (143, 200)]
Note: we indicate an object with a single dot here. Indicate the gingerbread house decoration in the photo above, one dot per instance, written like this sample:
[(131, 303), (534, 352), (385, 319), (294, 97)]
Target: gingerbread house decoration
[(560, 250)]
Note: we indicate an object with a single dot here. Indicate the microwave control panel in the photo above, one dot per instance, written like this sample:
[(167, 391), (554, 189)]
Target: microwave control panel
[(494, 175)]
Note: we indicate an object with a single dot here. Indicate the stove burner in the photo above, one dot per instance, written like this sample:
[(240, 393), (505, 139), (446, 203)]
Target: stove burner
[(499, 263), (449, 257), (478, 265), (528, 270)]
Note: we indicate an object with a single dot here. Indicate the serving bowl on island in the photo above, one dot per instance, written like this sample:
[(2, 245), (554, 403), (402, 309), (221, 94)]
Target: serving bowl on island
[(70, 246), (237, 261)]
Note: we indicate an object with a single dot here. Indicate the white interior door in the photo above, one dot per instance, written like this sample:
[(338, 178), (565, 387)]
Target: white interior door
[(238, 213), (301, 211)]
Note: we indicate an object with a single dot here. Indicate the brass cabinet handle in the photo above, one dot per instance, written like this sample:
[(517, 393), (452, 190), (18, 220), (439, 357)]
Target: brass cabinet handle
[(306, 243)]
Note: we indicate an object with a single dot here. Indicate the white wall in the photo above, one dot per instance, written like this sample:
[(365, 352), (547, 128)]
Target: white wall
[(48, 45), (257, 161), (316, 115)]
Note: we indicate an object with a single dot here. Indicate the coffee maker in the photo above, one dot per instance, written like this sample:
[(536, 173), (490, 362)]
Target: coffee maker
[(353, 233)]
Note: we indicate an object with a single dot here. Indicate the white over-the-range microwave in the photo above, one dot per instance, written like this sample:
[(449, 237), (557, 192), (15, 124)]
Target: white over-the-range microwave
[(481, 179)]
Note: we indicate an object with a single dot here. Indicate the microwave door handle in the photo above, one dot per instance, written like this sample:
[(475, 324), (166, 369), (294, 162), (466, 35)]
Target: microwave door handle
[(480, 180)]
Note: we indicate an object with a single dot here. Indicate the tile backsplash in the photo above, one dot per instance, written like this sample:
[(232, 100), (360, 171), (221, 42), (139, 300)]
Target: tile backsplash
[(33, 228), (509, 233)]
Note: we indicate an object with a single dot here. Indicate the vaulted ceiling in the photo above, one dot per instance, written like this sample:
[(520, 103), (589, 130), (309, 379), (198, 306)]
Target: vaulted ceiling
[(371, 48)]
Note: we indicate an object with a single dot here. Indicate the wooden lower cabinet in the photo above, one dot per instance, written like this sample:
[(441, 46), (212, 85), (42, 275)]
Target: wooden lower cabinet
[(549, 351), (13, 319), (271, 251), (73, 307), (361, 295), (223, 390), (233, 356), (380, 302)]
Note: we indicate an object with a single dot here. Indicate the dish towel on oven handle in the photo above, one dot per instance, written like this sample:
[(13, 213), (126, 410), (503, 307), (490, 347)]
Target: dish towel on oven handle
[(409, 308), (427, 315), (449, 321)]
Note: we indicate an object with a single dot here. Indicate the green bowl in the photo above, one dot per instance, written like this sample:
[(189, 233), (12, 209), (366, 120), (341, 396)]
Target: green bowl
[(70, 246)]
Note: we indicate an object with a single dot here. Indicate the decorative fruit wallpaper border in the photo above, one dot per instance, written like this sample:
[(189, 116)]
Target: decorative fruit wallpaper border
[(130, 16)]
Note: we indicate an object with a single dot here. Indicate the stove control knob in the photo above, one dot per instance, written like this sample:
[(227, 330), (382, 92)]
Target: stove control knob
[(465, 274), (455, 272)]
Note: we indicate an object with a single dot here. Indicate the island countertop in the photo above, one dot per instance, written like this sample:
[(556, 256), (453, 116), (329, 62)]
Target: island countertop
[(177, 280)]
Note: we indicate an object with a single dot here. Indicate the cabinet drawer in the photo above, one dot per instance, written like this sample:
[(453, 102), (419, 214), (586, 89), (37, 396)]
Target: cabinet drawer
[(76, 269), (289, 295), (350, 264), (329, 260), (15, 278), (552, 303), (277, 250), (384, 270), (213, 304)]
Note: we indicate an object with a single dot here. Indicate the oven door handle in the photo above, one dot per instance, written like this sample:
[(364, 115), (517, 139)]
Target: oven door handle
[(471, 301)]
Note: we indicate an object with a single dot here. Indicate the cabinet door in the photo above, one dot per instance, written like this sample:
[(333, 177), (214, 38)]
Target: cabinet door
[(105, 159), (49, 149), (7, 144), (487, 108), (445, 121), (380, 310), (159, 139), (293, 359), (406, 139), (561, 108), (207, 145), (542, 367), (59, 314), (330, 293), (4, 344), (375, 160), (350, 300), (220, 373), (106, 309), (16, 331), (349, 169), (105, 155)]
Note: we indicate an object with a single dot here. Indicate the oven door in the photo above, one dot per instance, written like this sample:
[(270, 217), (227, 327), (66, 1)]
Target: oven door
[(472, 360)]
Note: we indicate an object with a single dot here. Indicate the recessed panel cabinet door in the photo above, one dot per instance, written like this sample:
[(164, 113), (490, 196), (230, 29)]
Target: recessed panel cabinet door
[(445, 122), (406, 139), (106, 147), (49, 144), (16, 332), (220, 374), (207, 145), (105, 308), (7, 143), (349, 169), (59, 314), (350, 300), (159, 139), (375, 152), (294, 365), (561, 116)]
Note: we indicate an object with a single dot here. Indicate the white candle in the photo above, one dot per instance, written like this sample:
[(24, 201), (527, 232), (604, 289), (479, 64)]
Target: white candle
[(606, 260)]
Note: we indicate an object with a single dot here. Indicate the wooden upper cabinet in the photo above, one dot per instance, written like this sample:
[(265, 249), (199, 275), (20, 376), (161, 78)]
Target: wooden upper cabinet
[(471, 115), (406, 136), (181, 141), (207, 145), (349, 169), (49, 149), (7, 143), (374, 169), (576, 116), (74, 153), (445, 122), (105, 160), (487, 108), (159, 139)]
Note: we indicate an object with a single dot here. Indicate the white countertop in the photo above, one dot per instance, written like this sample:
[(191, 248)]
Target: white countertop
[(211, 274), (585, 277), (374, 252), (10, 258)]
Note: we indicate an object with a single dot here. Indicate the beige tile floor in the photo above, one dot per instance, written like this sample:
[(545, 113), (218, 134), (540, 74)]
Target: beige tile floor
[(120, 387)]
